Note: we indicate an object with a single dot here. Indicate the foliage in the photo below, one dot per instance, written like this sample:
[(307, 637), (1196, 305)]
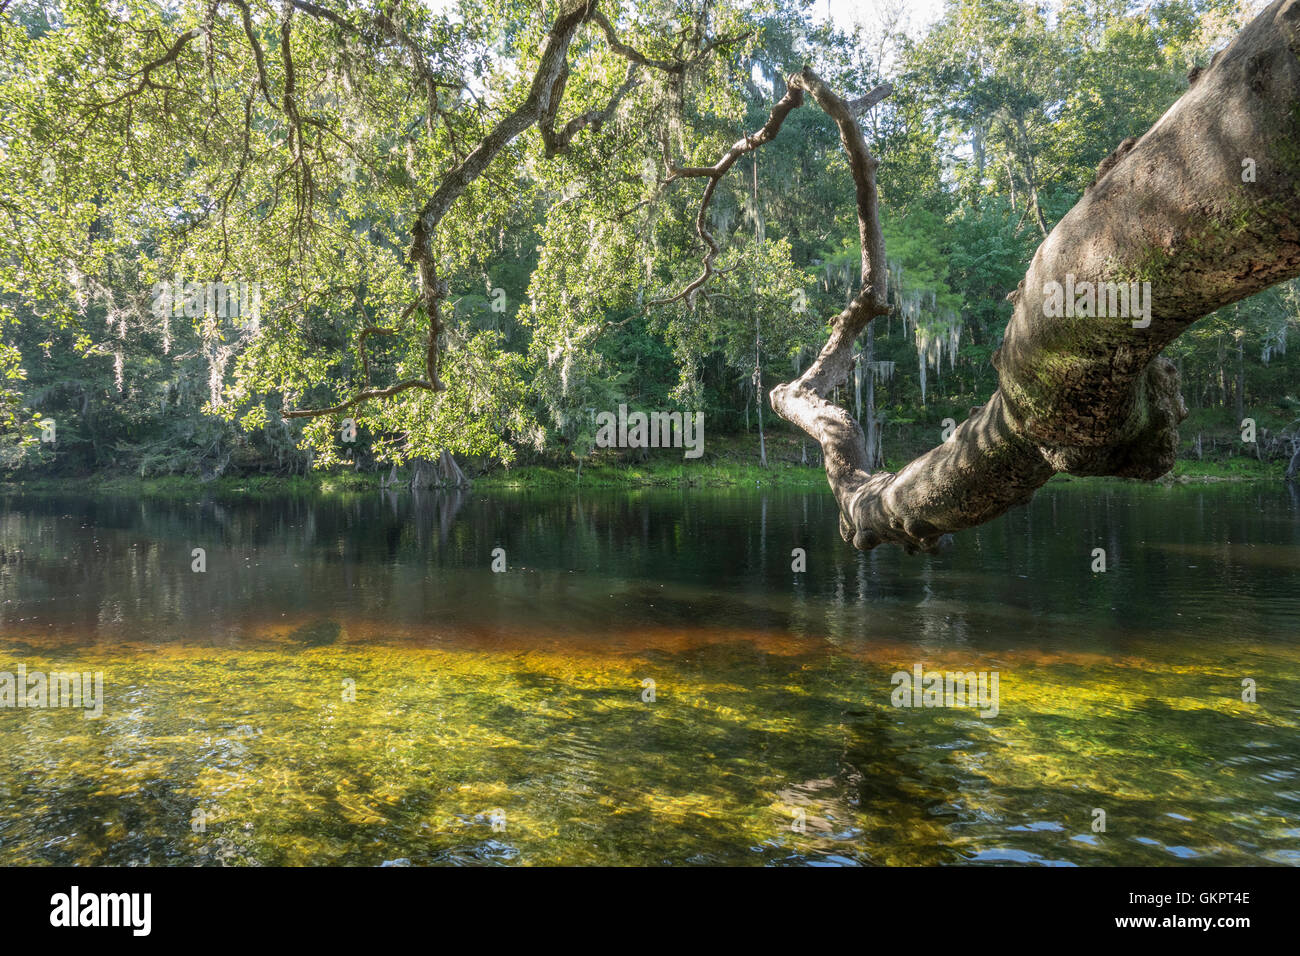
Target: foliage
[(149, 145)]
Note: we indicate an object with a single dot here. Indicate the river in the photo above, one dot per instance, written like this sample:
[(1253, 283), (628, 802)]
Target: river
[(348, 681)]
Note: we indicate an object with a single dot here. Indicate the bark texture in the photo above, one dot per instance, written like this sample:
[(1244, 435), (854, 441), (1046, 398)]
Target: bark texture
[(1086, 395)]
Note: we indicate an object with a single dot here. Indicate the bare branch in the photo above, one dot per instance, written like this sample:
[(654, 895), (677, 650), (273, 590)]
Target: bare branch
[(362, 396), (322, 13), (675, 67), (145, 73), (864, 103), (862, 163), (622, 49), (593, 119), (258, 57)]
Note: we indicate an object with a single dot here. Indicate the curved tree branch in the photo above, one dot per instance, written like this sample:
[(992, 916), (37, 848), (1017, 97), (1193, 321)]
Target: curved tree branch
[(558, 142), (433, 290), (539, 108), (792, 100), (1090, 395)]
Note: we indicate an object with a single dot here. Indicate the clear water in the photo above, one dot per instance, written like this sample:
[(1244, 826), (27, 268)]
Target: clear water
[(504, 718)]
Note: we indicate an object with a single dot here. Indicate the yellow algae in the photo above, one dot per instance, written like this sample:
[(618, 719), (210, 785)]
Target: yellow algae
[(584, 770)]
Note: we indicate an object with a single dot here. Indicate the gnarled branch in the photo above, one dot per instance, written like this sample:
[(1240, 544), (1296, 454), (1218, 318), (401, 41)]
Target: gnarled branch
[(803, 82), (539, 108), (1090, 395)]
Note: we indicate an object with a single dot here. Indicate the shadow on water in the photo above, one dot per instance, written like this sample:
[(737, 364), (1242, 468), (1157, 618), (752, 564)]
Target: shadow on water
[(316, 633)]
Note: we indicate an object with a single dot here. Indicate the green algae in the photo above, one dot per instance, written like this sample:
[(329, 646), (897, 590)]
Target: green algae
[(258, 756)]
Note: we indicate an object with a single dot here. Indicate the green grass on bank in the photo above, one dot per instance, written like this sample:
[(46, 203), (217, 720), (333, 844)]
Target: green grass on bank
[(730, 462), (182, 486), (1239, 469), (715, 474), (1203, 472)]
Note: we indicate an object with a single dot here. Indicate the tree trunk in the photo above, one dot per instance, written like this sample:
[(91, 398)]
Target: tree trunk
[(758, 340), (1241, 377), (449, 473), (874, 458), (1086, 396), (1031, 177), (417, 477)]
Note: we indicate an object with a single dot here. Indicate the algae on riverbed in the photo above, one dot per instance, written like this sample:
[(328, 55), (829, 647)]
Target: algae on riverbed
[(507, 717)]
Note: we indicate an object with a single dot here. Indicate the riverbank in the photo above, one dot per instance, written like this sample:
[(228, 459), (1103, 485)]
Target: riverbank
[(719, 473)]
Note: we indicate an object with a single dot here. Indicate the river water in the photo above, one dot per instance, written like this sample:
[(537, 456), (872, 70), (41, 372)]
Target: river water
[(348, 681)]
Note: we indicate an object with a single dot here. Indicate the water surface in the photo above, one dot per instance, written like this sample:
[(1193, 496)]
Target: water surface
[(349, 682)]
